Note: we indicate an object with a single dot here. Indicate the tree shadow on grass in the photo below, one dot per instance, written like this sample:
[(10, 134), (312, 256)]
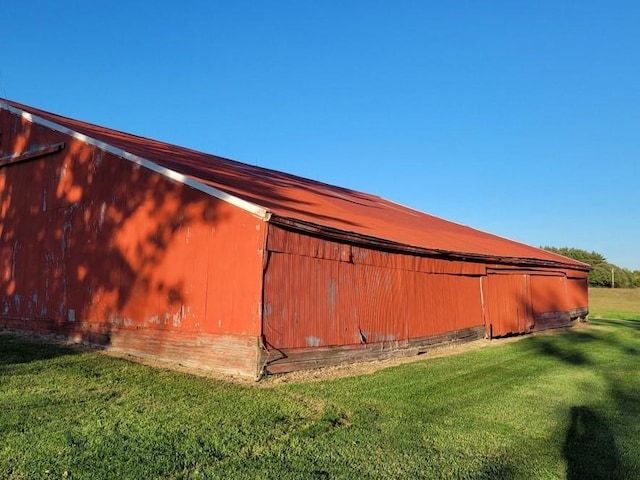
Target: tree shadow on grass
[(570, 347), (624, 323), (573, 356), (590, 448), (495, 469), (17, 349)]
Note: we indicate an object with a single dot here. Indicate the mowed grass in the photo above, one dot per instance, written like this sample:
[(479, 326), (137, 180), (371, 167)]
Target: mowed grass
[(562, 405), (621, 303)]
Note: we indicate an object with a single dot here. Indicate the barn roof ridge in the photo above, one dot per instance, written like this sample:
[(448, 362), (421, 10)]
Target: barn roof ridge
[(300, 203)]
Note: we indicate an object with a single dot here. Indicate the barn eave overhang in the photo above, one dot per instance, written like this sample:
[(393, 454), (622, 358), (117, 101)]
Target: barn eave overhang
[(391, 246), (256, 210)]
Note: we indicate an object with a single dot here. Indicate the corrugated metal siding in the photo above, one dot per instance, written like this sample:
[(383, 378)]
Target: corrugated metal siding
[(507, 302), (382, 298), (549, 294), (93, 246), (578, 293), (551, 306), (302, 302), (316, 302), (443, 303), (281, 240), (534, 300)]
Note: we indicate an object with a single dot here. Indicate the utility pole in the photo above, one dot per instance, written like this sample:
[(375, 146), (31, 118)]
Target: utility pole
[(613, 278)]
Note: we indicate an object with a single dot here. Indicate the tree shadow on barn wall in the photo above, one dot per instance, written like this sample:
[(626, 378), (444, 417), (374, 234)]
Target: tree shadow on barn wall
[(84, 235)]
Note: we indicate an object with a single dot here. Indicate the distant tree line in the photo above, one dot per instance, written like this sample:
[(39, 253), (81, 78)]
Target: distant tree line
[(601, 275)]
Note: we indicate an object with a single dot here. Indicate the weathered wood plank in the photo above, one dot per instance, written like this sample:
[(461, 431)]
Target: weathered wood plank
[(552, 320), (579, 313), (281, 361), (30, 154)]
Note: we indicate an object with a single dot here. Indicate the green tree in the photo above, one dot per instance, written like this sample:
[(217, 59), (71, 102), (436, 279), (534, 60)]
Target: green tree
[(591, 258), (600, 275)]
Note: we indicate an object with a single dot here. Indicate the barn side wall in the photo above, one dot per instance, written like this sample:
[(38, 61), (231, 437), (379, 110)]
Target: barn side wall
[(327, 302), (103, 251)]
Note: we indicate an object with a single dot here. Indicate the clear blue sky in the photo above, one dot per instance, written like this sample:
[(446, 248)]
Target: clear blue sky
[(518, 118)]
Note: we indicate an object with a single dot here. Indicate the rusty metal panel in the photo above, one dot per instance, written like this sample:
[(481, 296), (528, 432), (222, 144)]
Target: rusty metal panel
[(312, 302), (234, 281), (315, 301), (381, 297), (369, 256), (318, 302), (280, 240), (548, 294), (443, 303), (287, 241), (577, 293), (507, 304), (301, 298), (550, 302)]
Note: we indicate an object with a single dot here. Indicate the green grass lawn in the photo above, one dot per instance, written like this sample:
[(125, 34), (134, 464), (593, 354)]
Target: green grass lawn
[(621, 303), (565, 405)]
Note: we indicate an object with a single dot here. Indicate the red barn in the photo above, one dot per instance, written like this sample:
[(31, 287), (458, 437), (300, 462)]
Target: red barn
[(156, 250)]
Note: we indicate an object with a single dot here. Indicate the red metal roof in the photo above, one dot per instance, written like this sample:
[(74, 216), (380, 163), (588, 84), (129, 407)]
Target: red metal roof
[(318, 207)]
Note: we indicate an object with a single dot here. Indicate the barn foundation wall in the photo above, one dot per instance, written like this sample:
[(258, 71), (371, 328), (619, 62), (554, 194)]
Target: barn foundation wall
[(233, 355)]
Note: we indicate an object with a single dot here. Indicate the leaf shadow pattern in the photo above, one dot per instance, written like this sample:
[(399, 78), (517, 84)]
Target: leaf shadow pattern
[(84, 235), (94, 243)]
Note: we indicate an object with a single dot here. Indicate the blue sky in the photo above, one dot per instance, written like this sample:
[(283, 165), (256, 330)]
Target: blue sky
[(518, 118)]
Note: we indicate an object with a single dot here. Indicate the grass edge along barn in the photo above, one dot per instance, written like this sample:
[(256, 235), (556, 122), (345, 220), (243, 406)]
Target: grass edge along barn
[(160, 251)]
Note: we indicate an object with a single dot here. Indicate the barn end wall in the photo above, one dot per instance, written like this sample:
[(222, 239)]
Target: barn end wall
[(327, 302), (104, 251)]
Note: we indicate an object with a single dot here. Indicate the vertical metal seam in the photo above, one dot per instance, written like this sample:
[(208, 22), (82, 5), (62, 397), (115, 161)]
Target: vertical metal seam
[(263, 353), (484, 313)]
